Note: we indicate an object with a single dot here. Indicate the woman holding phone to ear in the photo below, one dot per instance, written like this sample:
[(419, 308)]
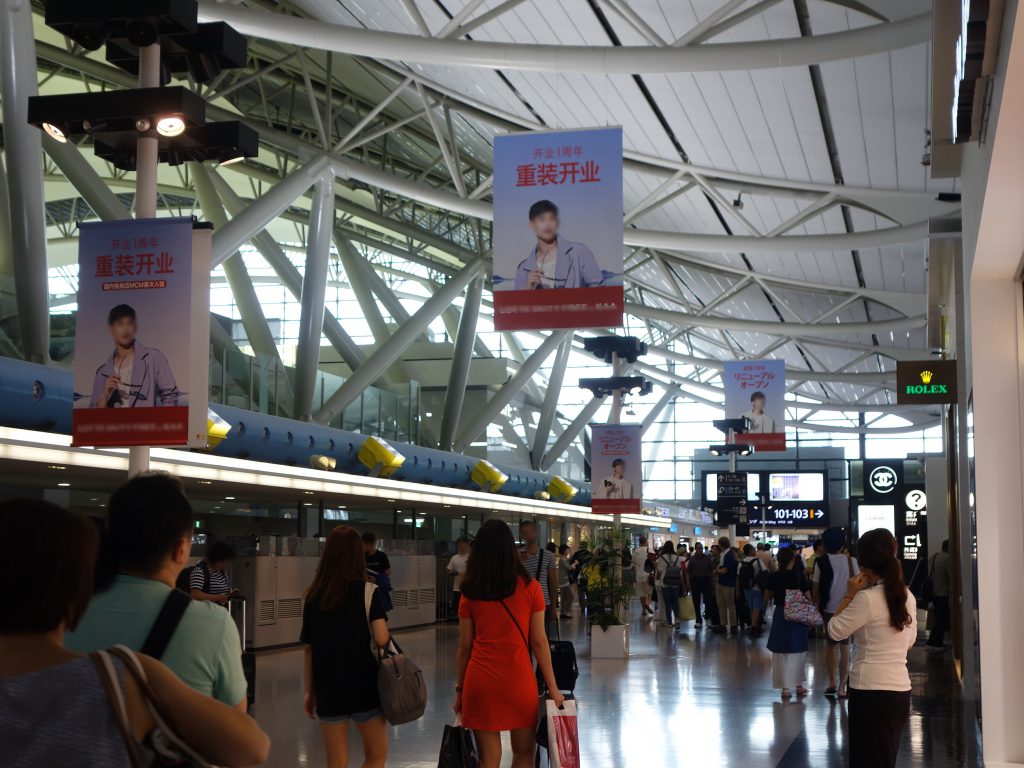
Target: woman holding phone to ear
[(881, 613)]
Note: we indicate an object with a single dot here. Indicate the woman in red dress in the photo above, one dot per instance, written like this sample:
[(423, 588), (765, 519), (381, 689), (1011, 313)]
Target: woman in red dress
[(501, 620)]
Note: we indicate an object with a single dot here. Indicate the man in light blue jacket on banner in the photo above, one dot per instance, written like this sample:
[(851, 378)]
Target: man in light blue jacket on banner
[(555, 262)]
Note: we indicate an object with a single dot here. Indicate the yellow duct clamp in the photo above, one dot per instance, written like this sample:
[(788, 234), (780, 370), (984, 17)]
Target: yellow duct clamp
[(380, 458), (561, 489), (488, 477)]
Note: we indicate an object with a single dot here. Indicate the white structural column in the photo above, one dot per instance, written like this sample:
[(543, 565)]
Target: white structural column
[(512, 387), (147, 163), (289, 275), (249, 308), (314, 289), (462, 359), (388, 352), (547, 412), (23, 148), (352, 262), (671, 393)]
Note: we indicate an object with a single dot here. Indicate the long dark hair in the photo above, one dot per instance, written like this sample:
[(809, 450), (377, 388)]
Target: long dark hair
[(494, 568), (341, 563), (876, 550)]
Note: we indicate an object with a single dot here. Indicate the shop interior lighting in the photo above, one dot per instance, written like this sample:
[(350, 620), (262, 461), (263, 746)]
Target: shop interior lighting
[(63, 485)]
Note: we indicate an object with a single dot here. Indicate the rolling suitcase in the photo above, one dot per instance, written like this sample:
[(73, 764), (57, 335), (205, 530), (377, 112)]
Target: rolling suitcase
[(248, 657)]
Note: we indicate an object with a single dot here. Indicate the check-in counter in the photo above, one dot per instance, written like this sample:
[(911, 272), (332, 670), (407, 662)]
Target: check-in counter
[(274, 587)]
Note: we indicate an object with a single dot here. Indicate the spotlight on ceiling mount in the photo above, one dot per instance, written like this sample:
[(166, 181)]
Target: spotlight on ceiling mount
[(738, 202), (56, 132), (170, 126)]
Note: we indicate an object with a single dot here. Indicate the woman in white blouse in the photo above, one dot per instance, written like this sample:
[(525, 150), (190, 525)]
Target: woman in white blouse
[(881, 614)]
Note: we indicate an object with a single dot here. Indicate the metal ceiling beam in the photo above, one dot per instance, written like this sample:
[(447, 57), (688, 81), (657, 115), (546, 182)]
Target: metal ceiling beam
[(392, 349), (571, 432), (288, 273), (652, 416), (314, 287), (264, 209), (512, 387), (719, 57), (774, 328), (257, 330), (462, 359), (83, 177)]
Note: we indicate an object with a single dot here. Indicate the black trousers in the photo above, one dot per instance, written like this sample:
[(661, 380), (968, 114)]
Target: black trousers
[(938, 634), (702, 590), (877, 719)]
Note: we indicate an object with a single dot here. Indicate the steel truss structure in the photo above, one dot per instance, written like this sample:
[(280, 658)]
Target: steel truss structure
[(370, 156)]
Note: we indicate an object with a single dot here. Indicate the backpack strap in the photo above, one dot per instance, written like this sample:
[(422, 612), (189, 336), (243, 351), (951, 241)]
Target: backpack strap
[(166, 623), (540, 565), (115, 695)]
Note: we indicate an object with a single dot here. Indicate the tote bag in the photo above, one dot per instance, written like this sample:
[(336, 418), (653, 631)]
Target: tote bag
[(400, 683), (800, 610)]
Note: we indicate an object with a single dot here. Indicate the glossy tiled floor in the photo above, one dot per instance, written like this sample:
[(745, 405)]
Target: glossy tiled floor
[(689, 699)]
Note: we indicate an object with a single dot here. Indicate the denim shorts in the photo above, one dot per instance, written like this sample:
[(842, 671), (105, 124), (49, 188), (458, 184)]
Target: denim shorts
[(754, 598), (357, 717)]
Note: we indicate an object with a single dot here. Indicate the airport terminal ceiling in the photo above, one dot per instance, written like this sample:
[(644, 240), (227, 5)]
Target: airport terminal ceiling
[(768, 211)]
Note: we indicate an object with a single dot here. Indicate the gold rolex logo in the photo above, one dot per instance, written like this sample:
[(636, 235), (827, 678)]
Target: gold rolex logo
[(926, 377)]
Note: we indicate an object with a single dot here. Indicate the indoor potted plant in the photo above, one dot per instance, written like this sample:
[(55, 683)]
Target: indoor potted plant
[(607, 596)]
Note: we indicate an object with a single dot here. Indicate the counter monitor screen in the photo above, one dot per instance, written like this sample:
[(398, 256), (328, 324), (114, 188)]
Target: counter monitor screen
[(796, 486)]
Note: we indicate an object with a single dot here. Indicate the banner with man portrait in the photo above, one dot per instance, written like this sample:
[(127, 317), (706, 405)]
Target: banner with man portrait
[(616, 469), (757, 389), (557, 240), (142, 334)]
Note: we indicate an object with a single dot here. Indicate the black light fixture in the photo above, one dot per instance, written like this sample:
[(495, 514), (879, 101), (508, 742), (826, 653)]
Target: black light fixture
[(737, 426), (725, 449), (738, 202), (635, 385), (175, 116), (627, 348), (143, 22)]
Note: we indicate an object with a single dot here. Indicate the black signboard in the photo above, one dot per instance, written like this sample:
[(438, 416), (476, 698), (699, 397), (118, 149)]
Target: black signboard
[(732, 487), (925, 382), (791, 514), (882, 479)]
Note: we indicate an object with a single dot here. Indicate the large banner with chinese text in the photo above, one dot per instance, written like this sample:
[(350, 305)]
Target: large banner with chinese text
[(757, 389), (143, 310), (616, 469), (558, 255)]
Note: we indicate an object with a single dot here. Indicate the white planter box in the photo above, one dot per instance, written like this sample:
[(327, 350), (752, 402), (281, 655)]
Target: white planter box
[(611, 643)]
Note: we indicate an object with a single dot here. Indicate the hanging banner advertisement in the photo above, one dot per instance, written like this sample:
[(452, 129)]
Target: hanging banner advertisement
[(142, 334), (557, 240), (757, 389), (616, 469)]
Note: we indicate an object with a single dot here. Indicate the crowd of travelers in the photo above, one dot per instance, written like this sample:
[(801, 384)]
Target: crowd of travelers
[(114, 646)]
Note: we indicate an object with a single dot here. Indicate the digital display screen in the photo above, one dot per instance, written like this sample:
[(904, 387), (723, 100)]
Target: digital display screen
[(796, 486), (872, 516), (711, 486)]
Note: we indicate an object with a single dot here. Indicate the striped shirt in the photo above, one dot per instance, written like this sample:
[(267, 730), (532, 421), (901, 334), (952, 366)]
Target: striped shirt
[(539, 570), (219, 583)]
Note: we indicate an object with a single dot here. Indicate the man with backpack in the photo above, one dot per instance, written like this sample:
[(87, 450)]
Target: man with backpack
[(701, 573), (670, 577), (832, 571), (749, 585), (147, 543)]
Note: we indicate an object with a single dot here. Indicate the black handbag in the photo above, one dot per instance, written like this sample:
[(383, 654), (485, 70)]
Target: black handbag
[(458, 748)]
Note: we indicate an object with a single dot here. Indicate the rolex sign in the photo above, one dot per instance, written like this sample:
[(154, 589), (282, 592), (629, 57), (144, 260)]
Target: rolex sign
[(926, 382)]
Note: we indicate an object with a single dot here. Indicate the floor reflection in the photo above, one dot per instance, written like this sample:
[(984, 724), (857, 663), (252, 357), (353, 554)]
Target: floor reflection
[(694, 697)]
